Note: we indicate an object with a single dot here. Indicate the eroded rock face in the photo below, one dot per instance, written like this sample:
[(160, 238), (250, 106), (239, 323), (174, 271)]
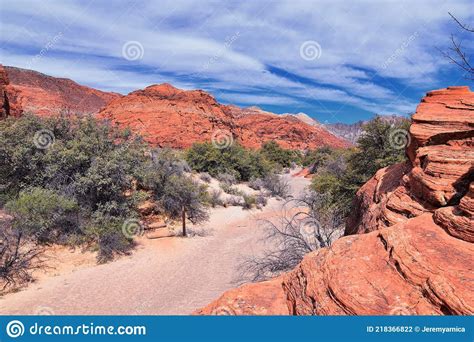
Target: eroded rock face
[(418, 217), (167, 116), (439, 170), (8, 96), (45, 95)]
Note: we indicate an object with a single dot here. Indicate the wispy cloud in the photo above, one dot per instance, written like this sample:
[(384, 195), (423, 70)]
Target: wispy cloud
[(375, 56)]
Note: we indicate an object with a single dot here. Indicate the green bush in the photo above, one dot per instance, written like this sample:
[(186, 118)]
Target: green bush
[(231, 190), (340, 173), (235, 160), (44, 215), (249, 202), (279, 156)]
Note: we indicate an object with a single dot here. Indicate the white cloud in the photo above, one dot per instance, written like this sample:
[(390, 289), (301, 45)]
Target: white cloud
[(228, 45)]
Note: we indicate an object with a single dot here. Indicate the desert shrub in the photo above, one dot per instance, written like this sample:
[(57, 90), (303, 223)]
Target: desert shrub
[(227, 178), (110, 234), (260, 201), (276, 185), (44, 215), (378, 147), (156, 173), (205, 177), (231, 190), (249, 201), (234, 201), (18, 256), (256, 183), (316, 158), (294, 234), (236, 160), (340, 173), (279, 156), (215, 198), (82, 186)]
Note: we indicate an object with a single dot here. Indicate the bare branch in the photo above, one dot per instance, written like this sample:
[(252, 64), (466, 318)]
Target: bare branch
[(463, 26)]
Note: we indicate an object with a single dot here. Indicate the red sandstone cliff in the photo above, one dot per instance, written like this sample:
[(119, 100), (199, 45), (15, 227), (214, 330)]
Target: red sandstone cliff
[(167, 116), (31, 91), (417, 255)]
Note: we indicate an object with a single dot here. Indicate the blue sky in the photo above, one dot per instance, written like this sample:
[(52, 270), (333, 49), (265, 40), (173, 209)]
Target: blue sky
[(338, 61)]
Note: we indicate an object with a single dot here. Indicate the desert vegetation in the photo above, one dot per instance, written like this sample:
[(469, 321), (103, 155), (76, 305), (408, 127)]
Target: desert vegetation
[(236, 163), (78, 182), (316, 218)]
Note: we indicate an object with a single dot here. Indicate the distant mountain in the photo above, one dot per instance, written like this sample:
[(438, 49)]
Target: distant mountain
[(352, 132), (348, 132)]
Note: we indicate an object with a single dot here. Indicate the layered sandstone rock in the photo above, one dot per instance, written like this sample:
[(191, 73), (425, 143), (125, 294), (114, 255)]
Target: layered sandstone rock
[(417, 255), (439, 170), (45, 95), (167, 116)]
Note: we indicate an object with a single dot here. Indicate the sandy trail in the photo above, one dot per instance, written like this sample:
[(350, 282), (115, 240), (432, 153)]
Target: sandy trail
[(163, 276)]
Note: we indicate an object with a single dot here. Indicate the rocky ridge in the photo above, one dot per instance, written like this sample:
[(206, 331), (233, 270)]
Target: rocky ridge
[(171, 117), (43, 95), (408, 247)]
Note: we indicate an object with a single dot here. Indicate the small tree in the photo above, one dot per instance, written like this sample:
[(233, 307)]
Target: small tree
[(183, 198)]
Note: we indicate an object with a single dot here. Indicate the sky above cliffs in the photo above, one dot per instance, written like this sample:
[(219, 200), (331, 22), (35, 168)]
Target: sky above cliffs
[(338, 61)]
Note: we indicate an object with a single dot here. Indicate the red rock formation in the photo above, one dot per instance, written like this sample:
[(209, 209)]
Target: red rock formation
[(167, 116), (439, 170), (417, 256), (8, 103), (45, 95)]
